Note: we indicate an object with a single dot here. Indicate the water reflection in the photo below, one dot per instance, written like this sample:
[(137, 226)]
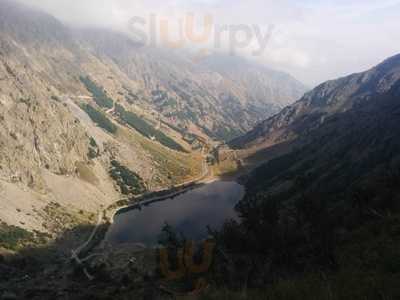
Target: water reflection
[(189, 214)]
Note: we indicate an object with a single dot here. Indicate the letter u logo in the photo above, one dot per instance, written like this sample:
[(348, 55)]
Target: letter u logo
[(186, 263)]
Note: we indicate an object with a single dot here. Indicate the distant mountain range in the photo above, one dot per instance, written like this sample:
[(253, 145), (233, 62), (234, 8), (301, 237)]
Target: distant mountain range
[(222, 95)]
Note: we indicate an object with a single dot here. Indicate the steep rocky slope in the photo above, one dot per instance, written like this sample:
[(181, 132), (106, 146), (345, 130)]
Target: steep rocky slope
[(327, 99), (258, 87), (347, 152), (222, 95), (86, 112), (52, 151)]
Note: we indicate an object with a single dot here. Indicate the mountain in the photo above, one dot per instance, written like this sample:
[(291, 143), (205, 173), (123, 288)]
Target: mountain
[(90, 119), (331, 205), (221, 95), (261, 84), (349, 150), (89, 116), (345, 138), (64, 155), (329, 98)]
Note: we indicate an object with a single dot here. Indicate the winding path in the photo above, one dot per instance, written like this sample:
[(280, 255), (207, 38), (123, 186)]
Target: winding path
[(107, 215)]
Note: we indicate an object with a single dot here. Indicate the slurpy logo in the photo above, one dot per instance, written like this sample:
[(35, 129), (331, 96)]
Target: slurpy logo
[(204, 36)]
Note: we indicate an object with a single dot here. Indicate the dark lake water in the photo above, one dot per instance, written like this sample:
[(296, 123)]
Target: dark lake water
[(189, 214)]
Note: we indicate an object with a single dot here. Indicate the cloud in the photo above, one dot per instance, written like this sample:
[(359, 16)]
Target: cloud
[(313, 40)]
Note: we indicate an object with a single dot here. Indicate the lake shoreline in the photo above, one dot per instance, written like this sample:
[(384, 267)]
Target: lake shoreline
[(189, 211), (106, 216)]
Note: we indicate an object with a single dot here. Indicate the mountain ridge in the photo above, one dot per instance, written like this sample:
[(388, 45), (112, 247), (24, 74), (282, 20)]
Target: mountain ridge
[(326, 99)]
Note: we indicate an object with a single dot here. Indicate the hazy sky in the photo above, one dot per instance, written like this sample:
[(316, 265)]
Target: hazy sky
[(314, 40)]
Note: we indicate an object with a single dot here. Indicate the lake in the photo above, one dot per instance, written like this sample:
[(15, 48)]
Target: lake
[(189, 214)]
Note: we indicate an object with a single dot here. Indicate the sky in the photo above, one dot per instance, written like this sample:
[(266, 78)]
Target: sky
[(313, 40)]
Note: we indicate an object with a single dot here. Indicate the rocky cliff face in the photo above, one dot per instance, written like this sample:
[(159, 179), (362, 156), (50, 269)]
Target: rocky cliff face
[(51, 151), (262, 87), (83, 110), (326, 100), (222, 95)]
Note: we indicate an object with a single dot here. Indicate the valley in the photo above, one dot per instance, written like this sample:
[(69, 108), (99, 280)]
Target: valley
[(79, 105), (115, 156)]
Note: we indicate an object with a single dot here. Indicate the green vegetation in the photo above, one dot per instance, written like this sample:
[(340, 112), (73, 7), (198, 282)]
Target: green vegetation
[(55, 98), (222, 133), (170, 102), (93, 151), (159, 96), (146, 129), (131, 97), (92, 142), (189, 138), (129, 182), (187, 114), (99, 118), (170, 238), (207, 131), (322, 222), (99, 95), (316, 286), (182, 131), (27, 101), (173, 167), (227, 134), (13, 237)]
